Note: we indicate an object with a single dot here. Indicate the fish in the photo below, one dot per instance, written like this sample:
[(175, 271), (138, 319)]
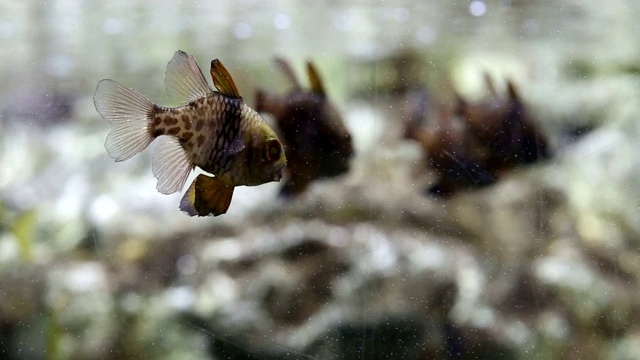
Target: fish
[(473, 144), (450, 151), (505, 126), (215, 131), (316, 141)]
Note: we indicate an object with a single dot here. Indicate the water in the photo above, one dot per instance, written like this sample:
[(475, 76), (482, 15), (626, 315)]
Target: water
[(70, 44), (339, 270)]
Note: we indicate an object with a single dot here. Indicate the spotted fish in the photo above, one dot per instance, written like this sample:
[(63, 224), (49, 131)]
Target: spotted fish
[(213, 130)]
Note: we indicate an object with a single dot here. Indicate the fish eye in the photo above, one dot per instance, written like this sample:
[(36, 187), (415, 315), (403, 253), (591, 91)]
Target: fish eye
[(273, 150)]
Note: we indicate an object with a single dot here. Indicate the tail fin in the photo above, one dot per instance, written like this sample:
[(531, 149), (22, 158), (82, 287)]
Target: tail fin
[(130, 114)]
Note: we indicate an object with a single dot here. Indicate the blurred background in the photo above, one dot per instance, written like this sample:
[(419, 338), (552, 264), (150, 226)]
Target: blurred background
[(543, 263)]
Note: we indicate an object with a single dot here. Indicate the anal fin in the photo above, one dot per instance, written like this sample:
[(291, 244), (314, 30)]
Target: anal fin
[(207, 196)]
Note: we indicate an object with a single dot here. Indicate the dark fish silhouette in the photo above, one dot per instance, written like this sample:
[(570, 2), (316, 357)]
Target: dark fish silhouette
[(472, 144), (505, 127), (316, 141), (448, 147)]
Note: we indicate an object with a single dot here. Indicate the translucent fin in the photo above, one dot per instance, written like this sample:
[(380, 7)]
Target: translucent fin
[(129, 113), (184, 79), (206, 196), (314, 79), (223, 80), (171, 165), (288, 72)]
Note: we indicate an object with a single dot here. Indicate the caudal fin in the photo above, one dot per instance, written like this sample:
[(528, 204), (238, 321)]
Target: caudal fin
[(206, 196), (129, 113)]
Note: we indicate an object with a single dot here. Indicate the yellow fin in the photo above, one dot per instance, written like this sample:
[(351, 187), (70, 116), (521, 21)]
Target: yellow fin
[(314, 79), (223, 81), (207, 195)]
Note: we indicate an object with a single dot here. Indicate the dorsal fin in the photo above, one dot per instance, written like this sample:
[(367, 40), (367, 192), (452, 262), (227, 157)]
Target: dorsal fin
[(314, 79), (512, 91), (184, 79), (223, 81), (491, 87), (288, 72)]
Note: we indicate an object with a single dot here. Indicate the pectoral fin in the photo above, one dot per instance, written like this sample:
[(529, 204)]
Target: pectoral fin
[(223, 81), (206, 196)]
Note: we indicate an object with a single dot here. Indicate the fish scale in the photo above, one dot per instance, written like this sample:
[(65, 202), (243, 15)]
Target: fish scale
[(219, 115)]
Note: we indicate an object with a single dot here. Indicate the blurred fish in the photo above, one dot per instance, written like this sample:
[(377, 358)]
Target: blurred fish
[(472, 144), (449, 149), (505, 127), (214, 130), (316, 141)]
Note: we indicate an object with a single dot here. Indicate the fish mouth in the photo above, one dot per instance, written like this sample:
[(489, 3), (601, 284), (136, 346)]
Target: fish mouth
[(278, 175)]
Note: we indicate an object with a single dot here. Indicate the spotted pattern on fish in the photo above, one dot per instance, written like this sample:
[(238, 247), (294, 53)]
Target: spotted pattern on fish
[(213, 130), (208, 129)]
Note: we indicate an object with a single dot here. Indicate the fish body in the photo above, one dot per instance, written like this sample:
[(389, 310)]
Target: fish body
[(316, 142), (448, 146), (214, 130), (504, 125), (474, 143)]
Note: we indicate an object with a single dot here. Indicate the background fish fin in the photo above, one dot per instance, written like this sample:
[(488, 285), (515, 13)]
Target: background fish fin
[(223, 80), (129, 113), (288, 72), (264, 102), (184, 80), (206, 196), (314, 79), (171, 165)]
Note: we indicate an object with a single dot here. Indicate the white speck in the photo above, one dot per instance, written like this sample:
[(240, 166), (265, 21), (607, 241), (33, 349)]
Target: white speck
[(483, 318), (242, 30), (282, 21), (531, 27), (103, 208), (187, 264), (477, 8), (345, 21), (131, 302), (86, 277), (60, 65), (112, 26), (426, 34), (7, 30), (180, 298), (402, 14)]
